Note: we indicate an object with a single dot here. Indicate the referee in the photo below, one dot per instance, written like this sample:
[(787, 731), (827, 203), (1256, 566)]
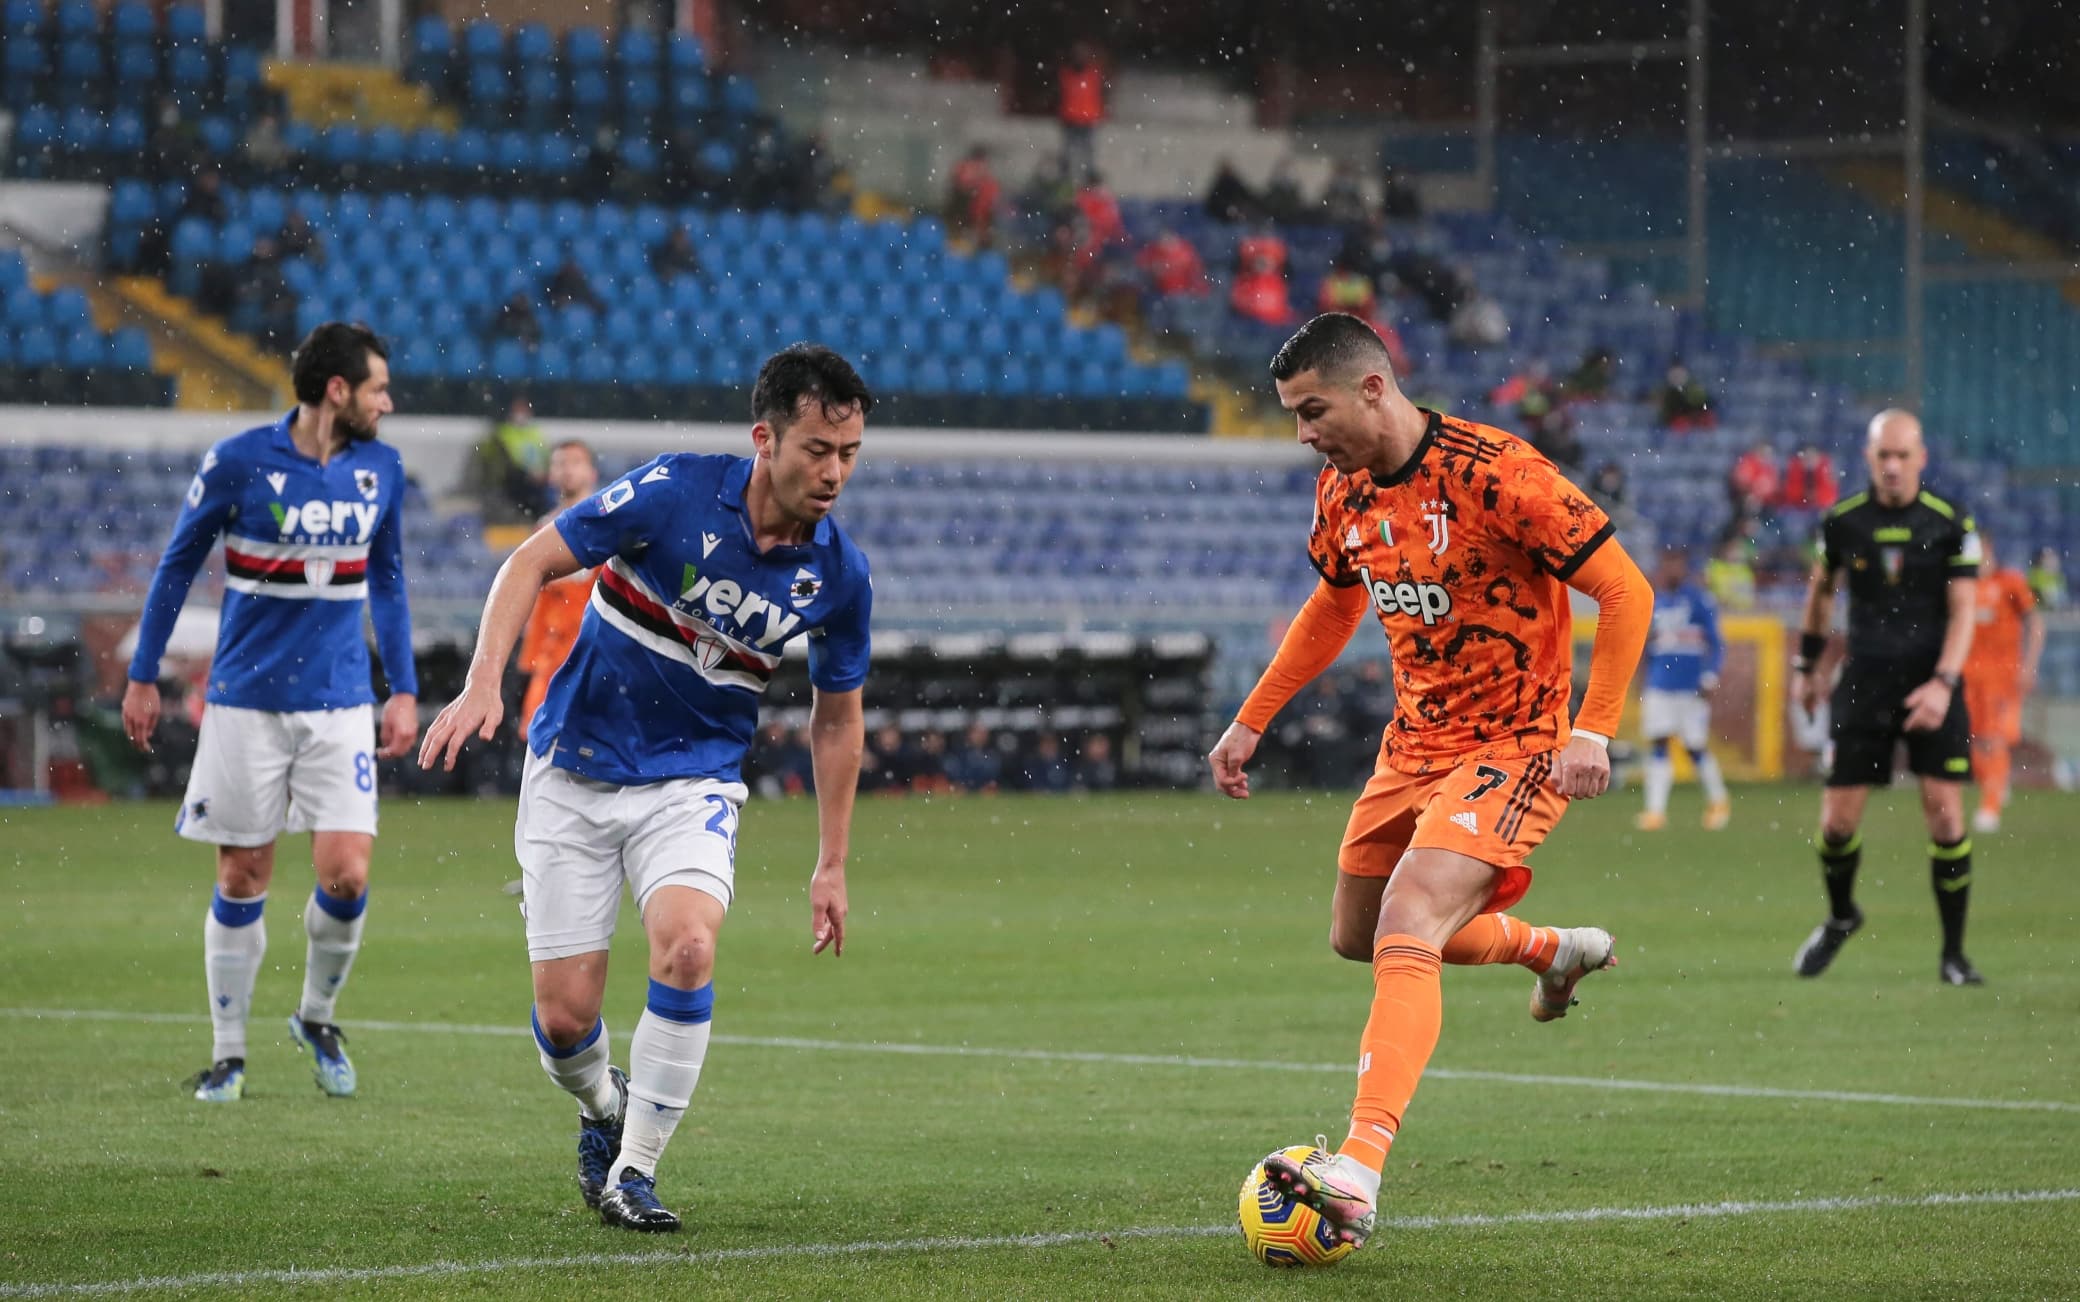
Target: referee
[(1912, 560)]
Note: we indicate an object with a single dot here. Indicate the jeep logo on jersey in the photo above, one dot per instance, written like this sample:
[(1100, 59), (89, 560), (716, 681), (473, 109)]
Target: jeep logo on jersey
[(1429, 602), (726, 599), (356, 519)]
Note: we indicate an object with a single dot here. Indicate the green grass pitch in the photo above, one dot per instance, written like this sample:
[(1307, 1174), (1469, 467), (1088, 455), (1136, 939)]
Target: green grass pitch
[(1143, 1001)]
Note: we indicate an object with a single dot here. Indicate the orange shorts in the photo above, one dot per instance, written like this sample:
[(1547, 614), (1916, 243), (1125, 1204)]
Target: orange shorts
[(1493, 810), (1994, 714)]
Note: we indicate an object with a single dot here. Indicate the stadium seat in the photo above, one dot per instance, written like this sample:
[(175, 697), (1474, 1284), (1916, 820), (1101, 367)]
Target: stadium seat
[(532, 44), (483, 41), (433, 48), (21, 21), (75, 20), (186, 25), (585, 47)]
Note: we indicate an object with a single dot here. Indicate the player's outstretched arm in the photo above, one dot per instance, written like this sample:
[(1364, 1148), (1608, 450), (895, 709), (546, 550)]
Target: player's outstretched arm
[(837, 740), (1624, 616), (477, 711), (1317, 635), (390, 609), (2032, 651)]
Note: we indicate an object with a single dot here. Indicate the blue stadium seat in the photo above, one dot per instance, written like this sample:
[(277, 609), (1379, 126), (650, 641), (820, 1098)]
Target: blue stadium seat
[(83, 350), (639, 365), (21, 19), (531, 43), (490, 88), (83, 130), (35, 347), (1015, 379), (386, 147), (186, 25), (136, 68), (681, 367), (82, 72), (550, 364), (483, 41), (690, 96), (219, 138), (130, 348), (739, 95), (585, 47), (75, 20), (433, 46), (469, 154), (22, 62), (589, 91), (427, 150), (240, 82), (685, 55)]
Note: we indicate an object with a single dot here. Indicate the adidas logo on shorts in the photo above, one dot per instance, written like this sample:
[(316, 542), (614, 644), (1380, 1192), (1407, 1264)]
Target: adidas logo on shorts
[(1465, 819)]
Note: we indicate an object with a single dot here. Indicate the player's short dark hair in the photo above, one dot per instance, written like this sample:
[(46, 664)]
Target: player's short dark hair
[(582, 446), (811, 371), (1333, 344), (335, 348)]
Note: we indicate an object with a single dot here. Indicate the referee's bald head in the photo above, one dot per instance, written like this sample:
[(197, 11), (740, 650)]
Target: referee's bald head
[(1895, 422)]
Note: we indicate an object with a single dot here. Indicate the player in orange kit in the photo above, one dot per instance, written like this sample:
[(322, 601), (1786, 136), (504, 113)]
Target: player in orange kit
[(1463, 540), (573, 473), (1999, 675)]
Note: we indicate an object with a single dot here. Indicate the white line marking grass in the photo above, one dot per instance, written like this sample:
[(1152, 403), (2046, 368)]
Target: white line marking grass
[(1154, 1060), (247, 1279)]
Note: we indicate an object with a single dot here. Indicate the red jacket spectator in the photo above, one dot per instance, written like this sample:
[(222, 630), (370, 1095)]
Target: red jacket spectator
[(1100, 209), (1345, 290), (1753, 481), (1172, 266), (976, 194), (1809, 482), (1083, 91), (1260, 281)]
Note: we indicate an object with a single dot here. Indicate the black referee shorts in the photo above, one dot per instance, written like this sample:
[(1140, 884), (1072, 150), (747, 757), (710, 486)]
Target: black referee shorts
[(1868, 712)]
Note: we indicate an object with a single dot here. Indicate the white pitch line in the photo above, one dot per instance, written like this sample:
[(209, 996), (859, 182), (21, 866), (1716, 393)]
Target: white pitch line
[(246, 1279), (1155, 1060)]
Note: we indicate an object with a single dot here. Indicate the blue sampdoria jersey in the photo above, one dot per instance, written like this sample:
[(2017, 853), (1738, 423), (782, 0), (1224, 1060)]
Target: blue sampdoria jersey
[(1685, 645), (306, 547), (687, 622)]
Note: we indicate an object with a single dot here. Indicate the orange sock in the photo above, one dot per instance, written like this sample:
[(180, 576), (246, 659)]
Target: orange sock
[(1407, 1014), (1991, 759), (1499, 938)]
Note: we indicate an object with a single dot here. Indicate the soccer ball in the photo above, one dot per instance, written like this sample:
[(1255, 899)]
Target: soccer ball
[(1281, 1232)]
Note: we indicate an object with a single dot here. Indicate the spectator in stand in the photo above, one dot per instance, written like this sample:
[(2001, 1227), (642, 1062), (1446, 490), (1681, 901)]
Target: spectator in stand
[(1809, 482), (1095, 768), (1343, 196), (888, 764), (1260, 292), (266, 152), (298, 238), (1730, 574), (1348, 290), (1752, 483), (675, 256), (1282, 201), (1048, 194), (517, 321), (569, 288), (508, 472), (928, 765), (782, 763), (174, 145), (1229, 198), (1398, 196), (1172, 266), (1440, 285), (1100, 207), (1046, 769), (1685, 404), (204, 201), (1081, 108), (1593, 376), (976, 764), (822, 182), (974, 197), (2047, 578), (1608, 486), (1539, 405)]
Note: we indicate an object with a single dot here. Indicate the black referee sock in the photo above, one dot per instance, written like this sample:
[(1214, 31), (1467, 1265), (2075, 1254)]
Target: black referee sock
[(1839, 861), (1950, 868)]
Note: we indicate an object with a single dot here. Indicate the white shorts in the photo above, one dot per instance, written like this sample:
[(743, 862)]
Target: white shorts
[(1685, 715), (259, 774), (578, 840)]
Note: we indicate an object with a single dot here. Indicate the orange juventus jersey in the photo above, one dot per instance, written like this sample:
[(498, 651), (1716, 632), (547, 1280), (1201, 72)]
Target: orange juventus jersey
[(1464, 553), (2004, 602)]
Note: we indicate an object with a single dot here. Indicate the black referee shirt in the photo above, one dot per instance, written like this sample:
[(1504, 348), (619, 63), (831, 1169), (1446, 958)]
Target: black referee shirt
[(1900, 561)]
